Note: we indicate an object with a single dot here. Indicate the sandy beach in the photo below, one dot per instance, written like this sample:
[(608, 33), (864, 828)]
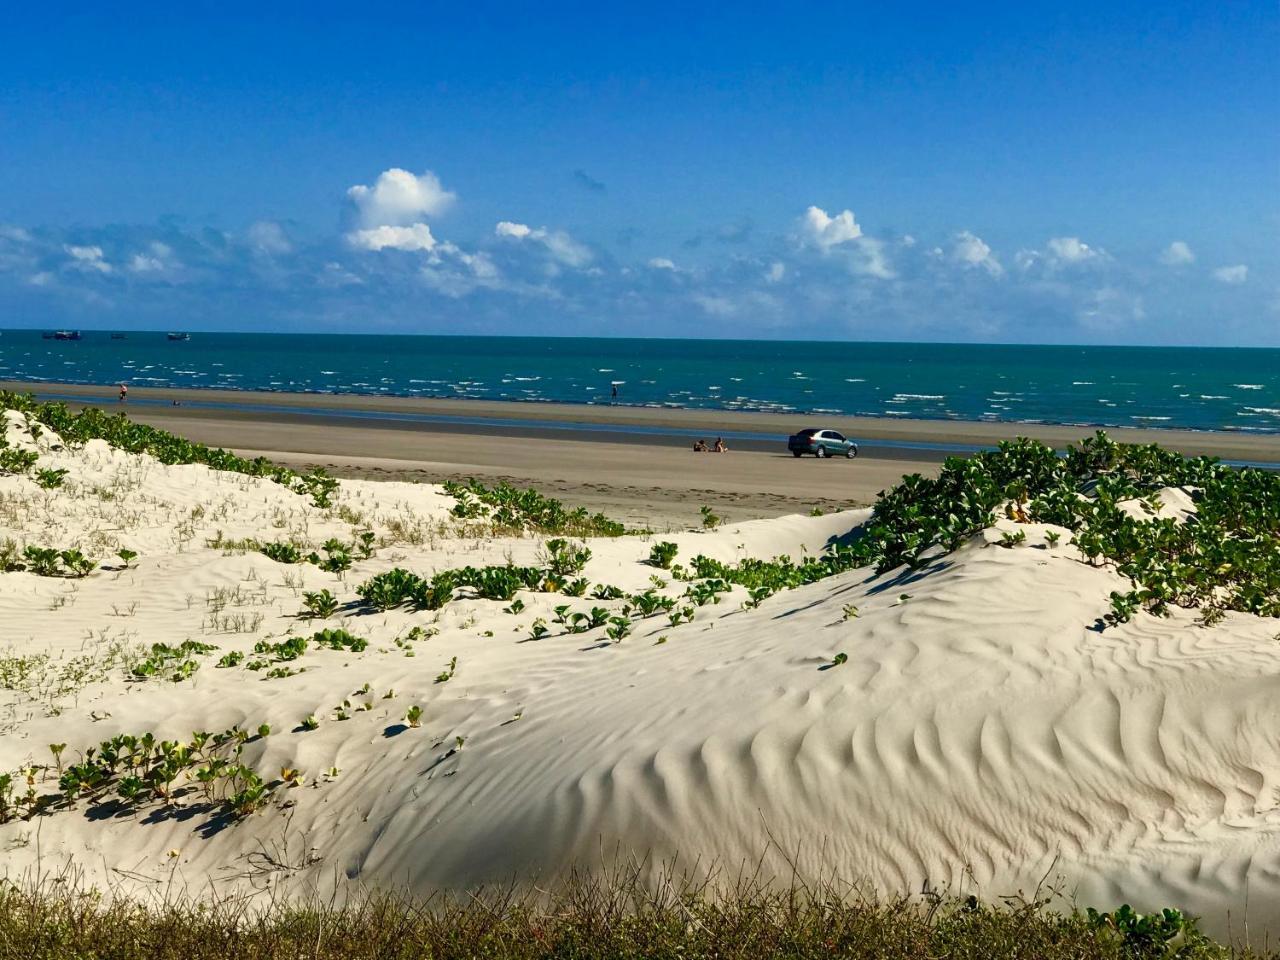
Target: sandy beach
[(588, 455), (966, 726)]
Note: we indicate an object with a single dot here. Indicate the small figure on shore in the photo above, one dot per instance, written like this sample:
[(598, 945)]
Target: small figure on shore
[(124, 393), (615, 391), (720, 447), (699, 446)]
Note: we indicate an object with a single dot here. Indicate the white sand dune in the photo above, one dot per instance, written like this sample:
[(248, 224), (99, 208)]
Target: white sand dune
[(983, 735)]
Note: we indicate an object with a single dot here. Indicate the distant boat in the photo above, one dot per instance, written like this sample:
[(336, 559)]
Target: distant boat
[(179, 336), (66, 335)]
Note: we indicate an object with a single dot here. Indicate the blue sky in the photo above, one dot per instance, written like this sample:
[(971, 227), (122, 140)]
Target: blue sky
[(1033, 173)]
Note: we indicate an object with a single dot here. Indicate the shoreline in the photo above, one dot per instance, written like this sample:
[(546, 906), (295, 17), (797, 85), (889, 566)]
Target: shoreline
[(632, 463), (896, 438)]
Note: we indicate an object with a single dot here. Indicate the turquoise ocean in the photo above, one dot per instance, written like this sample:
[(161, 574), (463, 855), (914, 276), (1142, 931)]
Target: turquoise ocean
[(1191, 388)]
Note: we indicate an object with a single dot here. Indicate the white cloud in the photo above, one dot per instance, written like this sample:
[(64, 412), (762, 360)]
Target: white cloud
[(842, 233), (41, 279), (972, 251), (267, 236), (414, 237), (873, 262), (88, 258), (400, 198), (826, 231), (157, 259), (777, 270), (1061, 252), (141, 263), (559, 244), (505, 228), (662, 263), (1073, 250), (1235, 275), (1177, 254)]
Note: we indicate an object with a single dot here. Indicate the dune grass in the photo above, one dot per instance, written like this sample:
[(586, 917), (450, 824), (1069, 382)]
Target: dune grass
[(583, 918)]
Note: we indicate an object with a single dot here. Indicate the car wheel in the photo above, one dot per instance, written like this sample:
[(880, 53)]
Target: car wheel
[(851, 451), (796, 454), (822, 452)]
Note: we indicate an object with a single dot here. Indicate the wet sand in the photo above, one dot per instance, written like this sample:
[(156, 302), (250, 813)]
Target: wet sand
[(635, 463)]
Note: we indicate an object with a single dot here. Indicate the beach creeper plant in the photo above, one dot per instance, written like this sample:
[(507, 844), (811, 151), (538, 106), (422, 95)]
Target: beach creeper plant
[(319, 604), (662, 554), (50, 479), (141, 769), (45, 561), (514, 509), (1224, 557), (564, 559), (119, 431)]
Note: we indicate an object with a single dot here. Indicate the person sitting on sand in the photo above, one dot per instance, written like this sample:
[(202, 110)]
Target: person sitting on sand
[(720, 447), (699, 446)]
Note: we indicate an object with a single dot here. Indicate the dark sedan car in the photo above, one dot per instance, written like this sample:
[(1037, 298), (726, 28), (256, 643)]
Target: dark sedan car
[(821, 443)]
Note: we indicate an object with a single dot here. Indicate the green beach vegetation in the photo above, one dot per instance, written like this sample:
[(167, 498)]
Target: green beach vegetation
[(587, 917), (119, 431)]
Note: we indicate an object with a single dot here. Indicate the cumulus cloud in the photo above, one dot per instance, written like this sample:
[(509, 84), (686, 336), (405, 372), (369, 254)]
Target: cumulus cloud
[(400, 198), (89, 258), (141, 263), (1177, 254), (871, 260), (970, 250), (156, 259), (1073, 250), (1060, 253), (825, 231), (505, 228), (662, 263), (415, 237), (557, 243), (267, 236), (841, 233), (1235, 275)]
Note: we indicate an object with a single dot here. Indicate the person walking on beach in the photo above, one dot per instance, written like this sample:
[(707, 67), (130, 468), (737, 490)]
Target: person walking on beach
[(615, 393), (124, 393)]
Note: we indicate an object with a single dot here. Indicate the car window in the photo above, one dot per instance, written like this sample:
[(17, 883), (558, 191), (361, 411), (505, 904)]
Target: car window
[(834, 436), (808, 433)]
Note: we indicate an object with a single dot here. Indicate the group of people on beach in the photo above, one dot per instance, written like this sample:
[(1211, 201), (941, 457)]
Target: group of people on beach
[(700, 446)]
